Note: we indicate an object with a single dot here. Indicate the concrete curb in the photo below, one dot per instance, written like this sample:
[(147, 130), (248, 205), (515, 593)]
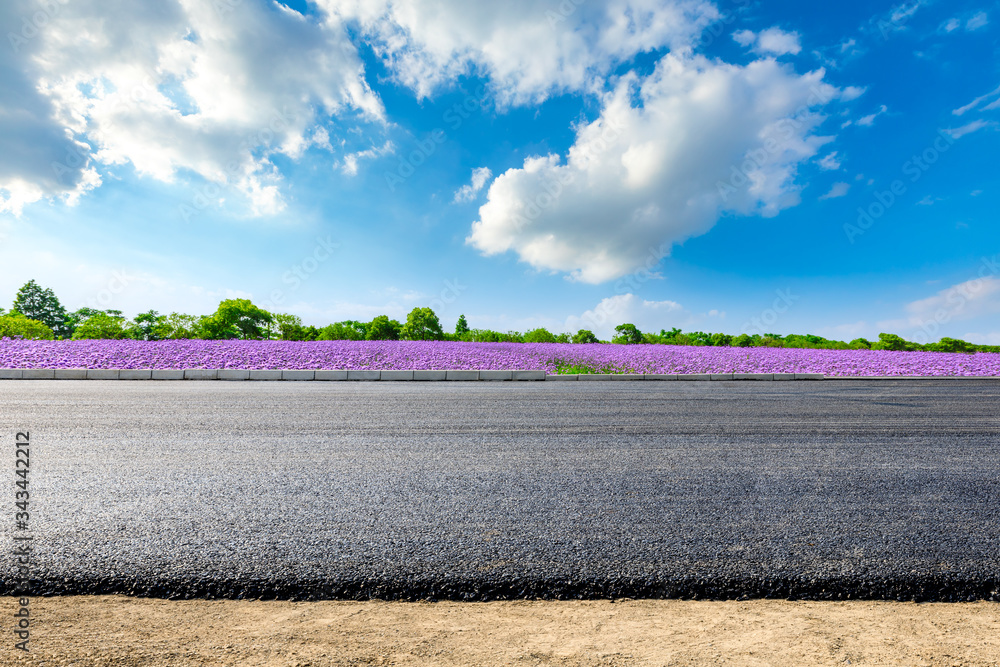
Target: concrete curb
[(426, 375)]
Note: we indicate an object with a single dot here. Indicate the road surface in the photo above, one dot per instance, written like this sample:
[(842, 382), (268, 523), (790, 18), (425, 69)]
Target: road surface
[(818, 490)]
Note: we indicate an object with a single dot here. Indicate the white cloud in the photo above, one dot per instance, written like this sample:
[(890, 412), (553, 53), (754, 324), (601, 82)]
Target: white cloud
[(979, 100), (479, 178), (929, 201), (869, 120), (707, 138), (969, 300), (351, 160), (773, 41), (209, 89), (974, 126), (528, 51), (992, 338), (979, 20), (647, 316), (838, 190), (829, 162)]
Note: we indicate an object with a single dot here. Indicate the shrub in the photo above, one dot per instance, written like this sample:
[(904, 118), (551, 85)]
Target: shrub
[(16, 325), (539, 336)]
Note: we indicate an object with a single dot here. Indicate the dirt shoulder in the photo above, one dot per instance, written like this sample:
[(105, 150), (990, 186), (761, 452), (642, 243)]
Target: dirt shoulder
[(116, 630)]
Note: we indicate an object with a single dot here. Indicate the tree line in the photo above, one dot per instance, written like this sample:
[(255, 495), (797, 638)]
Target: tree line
[(37, 314)]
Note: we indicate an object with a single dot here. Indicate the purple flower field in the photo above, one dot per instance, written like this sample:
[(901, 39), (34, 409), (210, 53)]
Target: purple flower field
[(553, 358)]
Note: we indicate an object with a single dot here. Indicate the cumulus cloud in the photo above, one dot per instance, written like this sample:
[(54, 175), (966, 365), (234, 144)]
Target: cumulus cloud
[(773, 41), (668, 154), (528, 51), (479, 178), (211, 88), (31, 140)]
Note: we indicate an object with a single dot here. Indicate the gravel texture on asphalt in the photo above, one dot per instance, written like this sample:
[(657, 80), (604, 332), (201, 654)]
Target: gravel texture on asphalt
[(831, 490)]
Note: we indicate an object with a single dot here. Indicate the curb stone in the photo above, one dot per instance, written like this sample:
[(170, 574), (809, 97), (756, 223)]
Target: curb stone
[(433, 375)]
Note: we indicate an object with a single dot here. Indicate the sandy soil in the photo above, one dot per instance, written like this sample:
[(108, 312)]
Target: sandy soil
[(114, 630)]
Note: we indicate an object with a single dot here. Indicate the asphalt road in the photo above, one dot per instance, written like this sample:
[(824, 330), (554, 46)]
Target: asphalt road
[(503, 490)]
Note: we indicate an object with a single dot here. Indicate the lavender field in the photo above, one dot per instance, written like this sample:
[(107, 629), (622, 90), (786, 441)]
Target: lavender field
[(553, 358)]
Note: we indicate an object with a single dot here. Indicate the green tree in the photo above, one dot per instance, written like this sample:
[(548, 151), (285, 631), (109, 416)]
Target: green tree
[(461, 327), (238, 318), (16, 325), (181, 326), (149, 326), (891, 342), (860, 344), (382, 328), (102, 326), (721, 340), (346, 330), (743, 340), (585, 336), (289, 327), (422, 324), (953, 345), (628, 334), (539, 336), (41, 304)]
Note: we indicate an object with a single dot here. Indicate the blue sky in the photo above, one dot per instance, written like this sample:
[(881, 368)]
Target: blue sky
[(723, 166)]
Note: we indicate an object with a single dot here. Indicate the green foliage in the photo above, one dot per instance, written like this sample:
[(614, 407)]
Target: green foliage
[(237, 318), (628, 334), (16, 325), (584, 336), (179, 325), (149, 326), (41, 305), (461, 327), (346, 330), (952, 345), (892, 342), (104, 325), (289, 327), (382, 328), (422, 324), (860, 344), (743, 340), (539, 336)]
